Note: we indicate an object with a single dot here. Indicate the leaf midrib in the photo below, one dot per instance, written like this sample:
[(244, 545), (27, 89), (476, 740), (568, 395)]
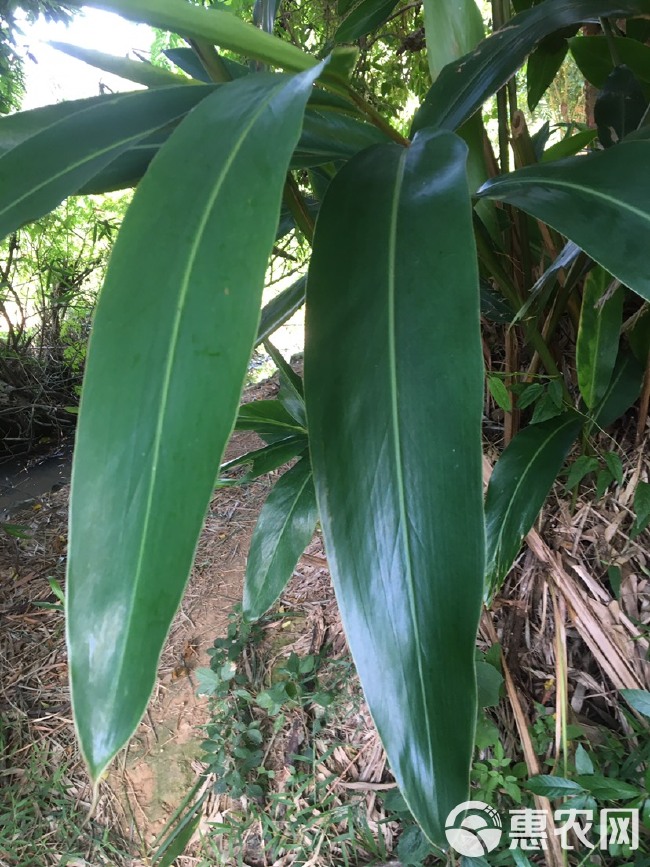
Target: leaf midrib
[(619, 204), (395, 419), (288, 517)]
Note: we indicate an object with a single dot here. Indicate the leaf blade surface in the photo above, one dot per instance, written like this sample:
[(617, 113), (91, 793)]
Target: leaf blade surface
[(598, 201), (151, 429), (401, 510)]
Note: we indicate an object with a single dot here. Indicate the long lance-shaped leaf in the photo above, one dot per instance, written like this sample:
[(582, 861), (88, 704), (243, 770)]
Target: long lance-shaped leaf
[(622, 392), (598, 336), (520, 483), (15, 128), (364, 16), (462, 87), (55, 162), (599, 201), (452, 28), (593, 57), (155, 418), (280, 309), (217, 25), (132, 70), (128, 169), (283, 531), (394, 406), (326, 136)]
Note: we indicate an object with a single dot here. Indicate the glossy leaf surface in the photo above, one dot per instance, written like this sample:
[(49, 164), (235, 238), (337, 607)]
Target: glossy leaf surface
[(463, 86), (330, 135), (453, 28), (140, 485), (393, 282), (75, 142), (326, 136), (520, 483), (130, 166), (598, 336), (283, 531), (598, 201), (218, 25)]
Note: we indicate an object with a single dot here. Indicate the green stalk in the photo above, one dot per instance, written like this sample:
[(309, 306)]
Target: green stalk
[(611, 42), (212, 62), (511, 294), (294, 200)]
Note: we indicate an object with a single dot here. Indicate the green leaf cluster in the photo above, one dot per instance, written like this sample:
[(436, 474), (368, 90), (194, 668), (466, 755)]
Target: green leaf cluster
[(411, 238)]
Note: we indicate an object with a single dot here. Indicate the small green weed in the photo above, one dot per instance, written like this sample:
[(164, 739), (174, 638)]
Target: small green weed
[(292, 805)]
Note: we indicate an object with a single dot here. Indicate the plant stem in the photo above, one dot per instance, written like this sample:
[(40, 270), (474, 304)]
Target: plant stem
[(511, 294), (374, 117), (611, 43), (295, 201), (212, 63)]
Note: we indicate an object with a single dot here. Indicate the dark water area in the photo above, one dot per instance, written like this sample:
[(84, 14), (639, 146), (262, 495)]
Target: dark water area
[(26, 479)]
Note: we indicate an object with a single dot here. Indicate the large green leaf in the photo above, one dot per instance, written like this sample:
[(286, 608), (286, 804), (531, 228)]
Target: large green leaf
[(394, 402), (71, 146), (268, 418), (156, 415), (218, 25), (463, 86), (620, 106), (330, 135), (594, 58), (453, 28), (598, 336), (520, 483), (569, 146), (543, 65), (366, 15), (622, 392), (281, 308), (128, 169), (600, 201), (15, 128), (264, 460), (133, 70), (283, 531), (327, 135)]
